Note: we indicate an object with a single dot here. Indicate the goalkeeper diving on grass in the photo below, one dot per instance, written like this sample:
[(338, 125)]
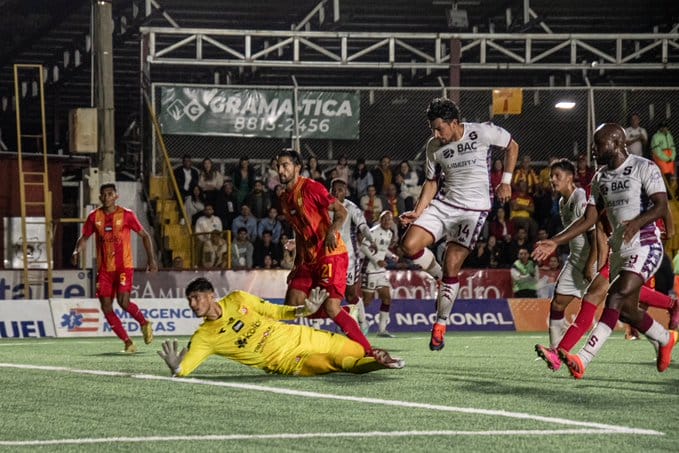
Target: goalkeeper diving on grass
[(247, 329)]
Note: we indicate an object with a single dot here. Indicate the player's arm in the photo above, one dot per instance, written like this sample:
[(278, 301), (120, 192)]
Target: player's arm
[(591, 238), (284, 312), (657, 211), (339, 216), (545, 248), (504, 190), (368, 252), (183, 363), (148, 246), (88, 229)]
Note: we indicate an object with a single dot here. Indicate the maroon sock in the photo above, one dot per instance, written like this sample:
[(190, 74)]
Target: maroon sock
[(655, 298), (645, 324), (133, 310), (320, 314), (116, 325), (352, 329), (385, 307), (610, 317), (555, 314), (579, 327)]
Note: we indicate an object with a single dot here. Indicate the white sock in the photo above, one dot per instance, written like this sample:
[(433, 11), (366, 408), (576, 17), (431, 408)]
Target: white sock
[(445, 301), (594, 343), (657, 333), (429, 264), (557, 329), (384, 320)]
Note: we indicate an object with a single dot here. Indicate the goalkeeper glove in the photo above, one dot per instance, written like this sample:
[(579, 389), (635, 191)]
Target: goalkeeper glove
[(312, 303), (171, 356)]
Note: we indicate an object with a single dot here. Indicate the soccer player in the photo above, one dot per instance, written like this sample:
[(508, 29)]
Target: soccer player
[(459, 154), (354, 224), (115, 269), (321, 258), (245, 328), (375, 276), (631, 191)]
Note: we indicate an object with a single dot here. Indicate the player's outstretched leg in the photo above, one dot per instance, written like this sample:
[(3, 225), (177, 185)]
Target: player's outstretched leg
[(550, 356)]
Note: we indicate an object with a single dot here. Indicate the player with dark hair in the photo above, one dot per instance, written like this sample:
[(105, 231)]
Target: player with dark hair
[(631, 191), (115, 268), (247, 329), (459, 154), (321, 256)]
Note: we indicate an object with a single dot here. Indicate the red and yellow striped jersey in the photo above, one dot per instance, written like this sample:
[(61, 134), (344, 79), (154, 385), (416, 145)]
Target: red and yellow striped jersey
[(114, 247), (306, 208)]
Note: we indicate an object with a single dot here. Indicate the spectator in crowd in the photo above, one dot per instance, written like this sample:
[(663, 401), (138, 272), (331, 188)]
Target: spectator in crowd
[(496, 254), (343, 170), (362, 179), (269, 262), (194, 204), (317, 175), (226, 206), (210, 180), (206, 224), (215, 252), (258, 200), (393, 202), (243, 179), (409, 184), (496, 173), (245, 220), (525, 275), (543, 201), (502, 228), (271, 224), (271, 179), (310, 167), (520, 241), (276, 197), (524, 172), (187, 176), (522, 209), (637, 138), (545, 175), (266, 247), (371, 205), (178, 262), (241, 251), (583, 172), (479, 258), (382, 175), (663, 149), (288, 245)]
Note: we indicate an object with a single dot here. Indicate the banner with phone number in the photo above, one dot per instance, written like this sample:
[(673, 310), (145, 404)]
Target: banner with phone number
[(268, 113)]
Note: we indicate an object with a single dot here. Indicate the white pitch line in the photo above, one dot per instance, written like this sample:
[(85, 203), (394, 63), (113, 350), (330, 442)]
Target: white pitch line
[(284, 436), (377, 401)]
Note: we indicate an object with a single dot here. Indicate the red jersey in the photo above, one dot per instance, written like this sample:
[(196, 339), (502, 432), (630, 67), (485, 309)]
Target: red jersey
[(114, 247), (306, 208)]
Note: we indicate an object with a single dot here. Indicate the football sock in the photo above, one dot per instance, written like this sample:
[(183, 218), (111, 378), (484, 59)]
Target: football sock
[(653, 330), (446, 298), (384, 319), (116, 325), (654, 298), (599, 335), (352, 329), (426, 260), (579, 327), (135, 312), (557, 326)]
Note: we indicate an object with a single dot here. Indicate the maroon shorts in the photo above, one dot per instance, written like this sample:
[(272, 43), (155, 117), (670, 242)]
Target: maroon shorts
[(328, 272), (110, 283)]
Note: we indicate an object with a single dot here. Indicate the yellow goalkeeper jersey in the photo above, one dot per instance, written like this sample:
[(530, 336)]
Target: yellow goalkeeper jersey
[(249, 332)]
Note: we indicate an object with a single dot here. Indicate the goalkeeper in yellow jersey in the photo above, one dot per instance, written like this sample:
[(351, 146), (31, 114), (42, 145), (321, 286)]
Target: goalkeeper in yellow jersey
[(247, 329)]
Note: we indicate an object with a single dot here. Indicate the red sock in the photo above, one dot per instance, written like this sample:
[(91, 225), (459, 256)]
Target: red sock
[(579, 327), (655, 298), (133, 310), (116, 325), (353, 331)]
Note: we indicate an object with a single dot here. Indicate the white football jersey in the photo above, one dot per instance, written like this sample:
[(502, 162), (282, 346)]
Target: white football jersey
[(355, 221), (624, 193), (383, 239), (465, 165), (570, 211)]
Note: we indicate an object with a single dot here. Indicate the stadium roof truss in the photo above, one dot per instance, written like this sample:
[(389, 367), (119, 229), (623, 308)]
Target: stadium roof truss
[(428, 51)]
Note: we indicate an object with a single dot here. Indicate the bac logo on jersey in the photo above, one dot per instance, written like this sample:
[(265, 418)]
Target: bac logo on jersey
[(238, 326), (619, 186)]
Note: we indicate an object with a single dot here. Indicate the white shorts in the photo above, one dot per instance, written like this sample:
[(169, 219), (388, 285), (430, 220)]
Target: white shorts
[(375, 281), (460, 226), (353, 270), (571, 281), (643, 260)]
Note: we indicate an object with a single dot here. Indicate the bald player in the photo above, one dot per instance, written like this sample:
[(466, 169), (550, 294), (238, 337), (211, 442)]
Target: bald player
[(632, 192)]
